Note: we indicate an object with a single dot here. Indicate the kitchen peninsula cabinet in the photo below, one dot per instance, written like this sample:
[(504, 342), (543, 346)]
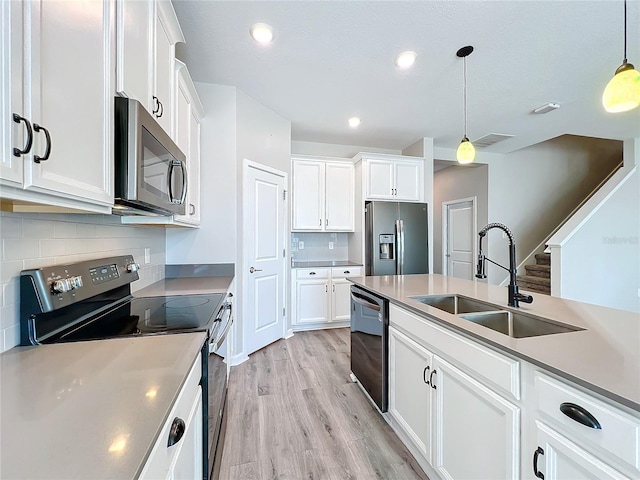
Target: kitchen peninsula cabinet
[(57, 110), (323, 195), (392, 177), (459, 423)]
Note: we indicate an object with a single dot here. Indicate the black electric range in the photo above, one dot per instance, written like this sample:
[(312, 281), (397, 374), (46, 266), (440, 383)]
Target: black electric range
[(92, 300)]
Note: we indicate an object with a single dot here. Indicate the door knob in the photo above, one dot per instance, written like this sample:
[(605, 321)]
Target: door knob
[(251, 270)]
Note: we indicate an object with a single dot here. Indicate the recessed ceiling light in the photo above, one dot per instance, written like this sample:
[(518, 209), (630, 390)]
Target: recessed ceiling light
[(262, 33), (406, 59), (354, 122)]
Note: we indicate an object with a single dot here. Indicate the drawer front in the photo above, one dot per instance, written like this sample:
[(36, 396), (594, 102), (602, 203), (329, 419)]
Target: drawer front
[(312, 273), (502, 372), (161, 456), (619, 433), (344, 272)]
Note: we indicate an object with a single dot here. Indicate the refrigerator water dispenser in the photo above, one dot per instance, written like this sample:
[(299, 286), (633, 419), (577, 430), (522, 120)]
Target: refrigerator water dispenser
[(387, 241)]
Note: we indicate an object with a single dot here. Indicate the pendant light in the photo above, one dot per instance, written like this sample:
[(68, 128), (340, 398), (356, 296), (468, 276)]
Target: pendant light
[(466, 151), (622, 93)]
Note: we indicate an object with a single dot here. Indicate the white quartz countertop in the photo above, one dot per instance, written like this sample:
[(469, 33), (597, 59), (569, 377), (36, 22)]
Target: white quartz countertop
[(185, 286), (89, 410), (604, 357)]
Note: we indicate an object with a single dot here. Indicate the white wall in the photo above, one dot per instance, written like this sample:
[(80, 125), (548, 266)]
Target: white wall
[(38, 240), (215, 240), (334, 150), (600, 263), (532, 190), (455, 183)]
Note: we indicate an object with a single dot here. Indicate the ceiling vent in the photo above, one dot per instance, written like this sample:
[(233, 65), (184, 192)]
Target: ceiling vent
[(490, 139)]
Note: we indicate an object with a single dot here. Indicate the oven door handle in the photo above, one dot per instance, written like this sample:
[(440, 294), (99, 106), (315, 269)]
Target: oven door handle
[(221, 338), (364, 301)]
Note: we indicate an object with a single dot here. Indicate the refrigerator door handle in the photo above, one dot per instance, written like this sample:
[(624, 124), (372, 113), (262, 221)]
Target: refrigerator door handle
[(401, 249), (397, 246)]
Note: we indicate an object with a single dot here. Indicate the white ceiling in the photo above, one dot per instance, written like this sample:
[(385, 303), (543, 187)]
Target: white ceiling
[(331, 60)]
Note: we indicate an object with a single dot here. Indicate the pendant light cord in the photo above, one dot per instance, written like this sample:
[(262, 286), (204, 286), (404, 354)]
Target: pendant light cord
[(464, 76), (625, 31)]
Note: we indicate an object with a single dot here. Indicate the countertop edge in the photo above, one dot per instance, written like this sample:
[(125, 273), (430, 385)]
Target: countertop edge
[(459, 329)]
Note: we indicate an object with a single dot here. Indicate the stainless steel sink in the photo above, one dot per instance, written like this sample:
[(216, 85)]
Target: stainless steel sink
[(496, 317), (456, 304), (518, 325)]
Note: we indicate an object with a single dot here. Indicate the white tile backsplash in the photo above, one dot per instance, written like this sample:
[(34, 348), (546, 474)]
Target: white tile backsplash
[(37, 240)]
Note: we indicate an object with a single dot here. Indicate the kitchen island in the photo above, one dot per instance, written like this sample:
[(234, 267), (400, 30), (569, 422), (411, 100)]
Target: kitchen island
[(471, 402), (89, 409)]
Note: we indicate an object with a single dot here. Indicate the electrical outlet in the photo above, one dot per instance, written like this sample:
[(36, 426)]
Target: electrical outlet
[(330, 245), (300, 245), (147, 256)]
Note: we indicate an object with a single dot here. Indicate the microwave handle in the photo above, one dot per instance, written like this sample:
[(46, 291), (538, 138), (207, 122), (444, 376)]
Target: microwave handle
[(185, 183), (183, 194)]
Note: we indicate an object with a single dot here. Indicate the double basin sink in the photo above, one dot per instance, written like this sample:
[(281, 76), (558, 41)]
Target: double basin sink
[(497, 318)]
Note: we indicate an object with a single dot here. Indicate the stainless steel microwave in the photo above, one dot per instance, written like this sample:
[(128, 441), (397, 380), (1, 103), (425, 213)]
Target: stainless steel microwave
[(150, 170)]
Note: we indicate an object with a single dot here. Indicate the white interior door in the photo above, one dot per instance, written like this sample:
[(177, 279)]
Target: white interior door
[(459, 253), (264, 247)]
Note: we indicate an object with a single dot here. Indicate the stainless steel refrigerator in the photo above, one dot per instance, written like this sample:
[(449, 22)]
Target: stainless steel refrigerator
[(396, 238)]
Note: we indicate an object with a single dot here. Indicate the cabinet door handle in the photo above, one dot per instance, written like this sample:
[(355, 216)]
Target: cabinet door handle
[(176, 432), (433, 385), (580, 415), (192, 209), (539, 451), (47, 150), (424, 375), (320, 222), (326, 222), (157, 105), (333, 287), (326, 289), (16, 151), (161, 109)]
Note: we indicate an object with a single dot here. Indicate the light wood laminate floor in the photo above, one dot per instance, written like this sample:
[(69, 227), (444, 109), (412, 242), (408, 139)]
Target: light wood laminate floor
[(293, 413)]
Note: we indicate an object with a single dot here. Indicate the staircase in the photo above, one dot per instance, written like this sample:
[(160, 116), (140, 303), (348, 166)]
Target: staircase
[(538, 277)]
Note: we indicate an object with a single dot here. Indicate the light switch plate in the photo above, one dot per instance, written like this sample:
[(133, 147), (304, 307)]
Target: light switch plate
[(300, 245), (330, 245)]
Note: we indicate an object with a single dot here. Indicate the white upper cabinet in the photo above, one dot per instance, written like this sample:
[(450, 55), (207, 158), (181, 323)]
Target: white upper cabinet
[(392, 177), (147, 33), (323, 195), (134, 68), (66, 78)]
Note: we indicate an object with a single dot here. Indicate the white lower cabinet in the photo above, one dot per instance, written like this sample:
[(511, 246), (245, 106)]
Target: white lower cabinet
[(558, 458), (460, 426), (477, 431), (321, 296), (409, 389), (177, 453)]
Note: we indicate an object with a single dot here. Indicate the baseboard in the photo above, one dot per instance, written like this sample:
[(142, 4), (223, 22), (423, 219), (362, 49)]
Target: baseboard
[(319, 326)]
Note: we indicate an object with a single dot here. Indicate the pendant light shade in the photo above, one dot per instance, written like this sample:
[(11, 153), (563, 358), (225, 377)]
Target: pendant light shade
[(466, 152), (622, 93)]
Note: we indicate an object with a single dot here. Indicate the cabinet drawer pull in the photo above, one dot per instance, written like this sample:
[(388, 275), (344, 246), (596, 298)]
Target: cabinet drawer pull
[(580, 415), (16, 151), (176, 432), (424, 374), (47, 150), (312, 273), (346, 271), (538, 473), (433, 385)]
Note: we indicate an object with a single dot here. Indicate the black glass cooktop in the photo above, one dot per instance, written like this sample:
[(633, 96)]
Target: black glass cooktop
[(147, 316)]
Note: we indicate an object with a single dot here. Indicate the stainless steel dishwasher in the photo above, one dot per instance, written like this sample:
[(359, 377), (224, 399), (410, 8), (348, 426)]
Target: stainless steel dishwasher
[(369, 344)]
